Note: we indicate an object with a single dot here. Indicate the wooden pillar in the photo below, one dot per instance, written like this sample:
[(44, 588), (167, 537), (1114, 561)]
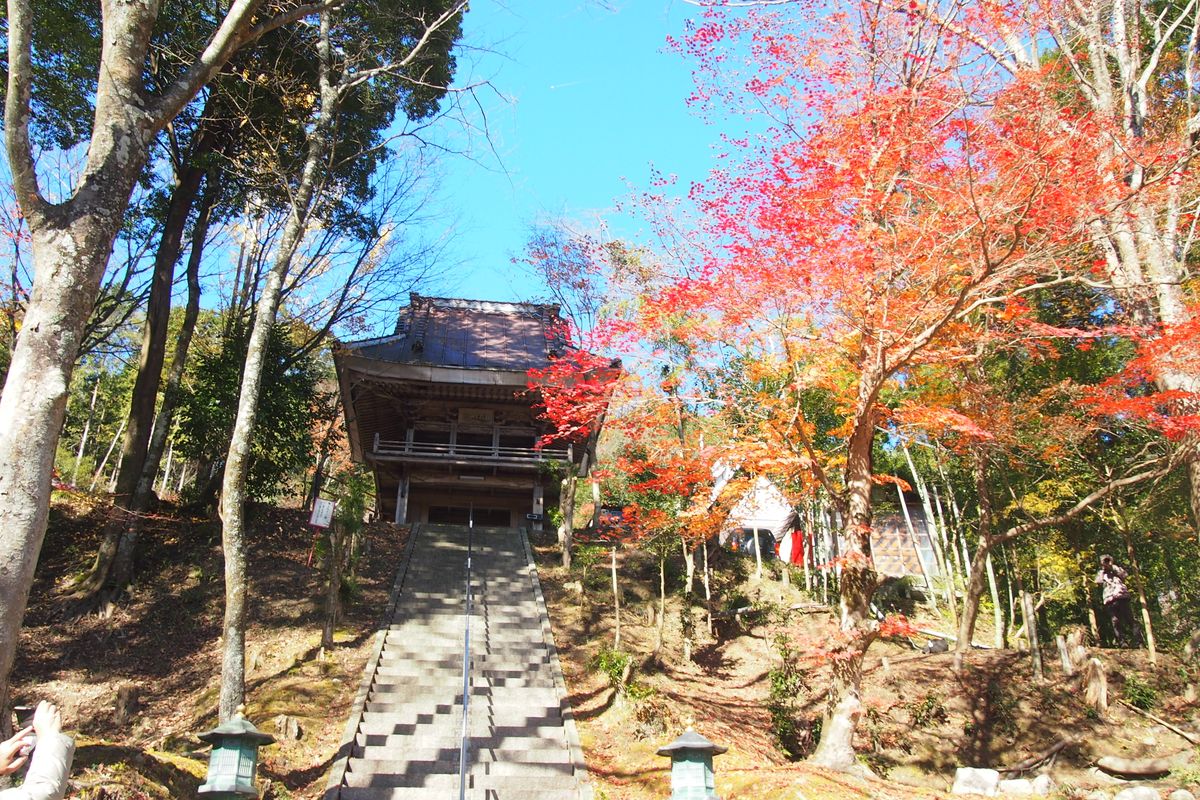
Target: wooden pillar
[(539, 503), (402, 500)]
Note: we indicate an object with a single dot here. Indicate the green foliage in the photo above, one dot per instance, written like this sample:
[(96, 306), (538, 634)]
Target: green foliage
[(112, 383), (639, 691), (282, 442), (1185, 775), (786, 687), (929, 710), (612, 663), (1001, 707), (1138, 693)]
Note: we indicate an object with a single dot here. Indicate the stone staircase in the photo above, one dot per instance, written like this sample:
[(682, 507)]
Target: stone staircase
[(404, 736)]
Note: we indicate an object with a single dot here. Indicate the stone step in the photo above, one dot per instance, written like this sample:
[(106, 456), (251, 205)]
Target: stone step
[(444, 783), (449, 766), (482, 697), (532, 654), (378, 721), (481, 693), (405, 714), (554, 739), (404, 748), (409, 731), (409, 793), (504, 658)]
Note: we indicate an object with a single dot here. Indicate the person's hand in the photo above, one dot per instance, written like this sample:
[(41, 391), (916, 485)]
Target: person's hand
[(15, 752), (47, 721)]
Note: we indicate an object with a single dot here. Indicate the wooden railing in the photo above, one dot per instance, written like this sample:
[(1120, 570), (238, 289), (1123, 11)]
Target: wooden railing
[(474, 452)]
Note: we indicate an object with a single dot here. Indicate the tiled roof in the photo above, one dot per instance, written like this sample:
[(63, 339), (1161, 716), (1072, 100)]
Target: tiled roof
[(469, 333)]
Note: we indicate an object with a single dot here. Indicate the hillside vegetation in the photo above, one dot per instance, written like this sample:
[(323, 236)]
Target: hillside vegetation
[(137, 684)]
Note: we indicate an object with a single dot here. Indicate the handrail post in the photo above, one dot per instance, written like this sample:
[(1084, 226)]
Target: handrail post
[(462, 748)]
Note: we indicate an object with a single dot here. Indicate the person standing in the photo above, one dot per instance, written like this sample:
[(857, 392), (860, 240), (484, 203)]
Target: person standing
[(1115, 595)]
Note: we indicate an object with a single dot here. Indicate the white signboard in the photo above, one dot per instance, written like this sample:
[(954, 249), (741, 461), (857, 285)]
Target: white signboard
[(322, 513)]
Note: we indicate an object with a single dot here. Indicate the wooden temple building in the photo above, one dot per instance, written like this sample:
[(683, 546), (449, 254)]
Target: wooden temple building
[(440, 412)]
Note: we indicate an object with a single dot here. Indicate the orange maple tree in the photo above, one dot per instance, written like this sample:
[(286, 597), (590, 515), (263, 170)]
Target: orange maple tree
[(881, 207)]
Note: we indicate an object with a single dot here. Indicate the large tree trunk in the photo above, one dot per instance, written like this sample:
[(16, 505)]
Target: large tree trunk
[(566, 506), (979, 563), (158, 314), (237, 464), (122, 569), (69, 262), (140, 418), (71, 242), (856, 588)]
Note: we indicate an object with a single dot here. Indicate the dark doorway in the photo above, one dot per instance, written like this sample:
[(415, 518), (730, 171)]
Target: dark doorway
[(447, 515), (493, 517), (484, 517)]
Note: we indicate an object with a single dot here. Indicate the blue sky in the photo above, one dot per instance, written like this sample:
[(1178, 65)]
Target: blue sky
[(591, 102)]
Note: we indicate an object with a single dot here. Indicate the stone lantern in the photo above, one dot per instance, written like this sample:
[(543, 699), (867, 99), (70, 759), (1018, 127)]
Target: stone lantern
[(234, 759), (692, 766)]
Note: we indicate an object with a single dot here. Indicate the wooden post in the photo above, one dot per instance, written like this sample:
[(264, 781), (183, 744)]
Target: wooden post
[(1064, 655), (1096, 682), (402, 500)]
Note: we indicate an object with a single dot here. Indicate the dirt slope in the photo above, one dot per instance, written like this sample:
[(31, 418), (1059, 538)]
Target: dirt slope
[(921, 721)]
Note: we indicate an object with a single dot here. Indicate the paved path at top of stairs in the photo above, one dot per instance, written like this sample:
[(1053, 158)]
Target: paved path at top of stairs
[(404, 736)]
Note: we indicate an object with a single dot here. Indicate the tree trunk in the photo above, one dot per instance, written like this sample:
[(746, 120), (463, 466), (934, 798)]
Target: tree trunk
[(970, 612), (68, 265), (333, 588), (566, 505), (966, 625), (689, 566), (237, 465), (1000, 635), (113, 567), (662, 603), (616, 601), (916, 545), (707, 592), (949, 538), (856, 587), (931, 530), (1140, 585), (107, 454), (158, 314), (166, 478), (1031, 632)]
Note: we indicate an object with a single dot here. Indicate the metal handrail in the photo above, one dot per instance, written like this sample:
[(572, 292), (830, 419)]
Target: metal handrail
[(462, 749)]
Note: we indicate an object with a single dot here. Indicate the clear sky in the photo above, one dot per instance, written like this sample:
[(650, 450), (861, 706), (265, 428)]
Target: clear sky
[(587, 101)]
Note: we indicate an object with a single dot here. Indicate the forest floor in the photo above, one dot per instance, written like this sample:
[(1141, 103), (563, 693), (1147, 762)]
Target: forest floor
[(140, 682), (921, 720)]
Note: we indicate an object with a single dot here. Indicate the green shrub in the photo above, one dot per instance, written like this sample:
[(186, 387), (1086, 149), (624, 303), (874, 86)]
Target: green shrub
[(927, 711), (1138, 693), (612, 663), (786, 684)]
